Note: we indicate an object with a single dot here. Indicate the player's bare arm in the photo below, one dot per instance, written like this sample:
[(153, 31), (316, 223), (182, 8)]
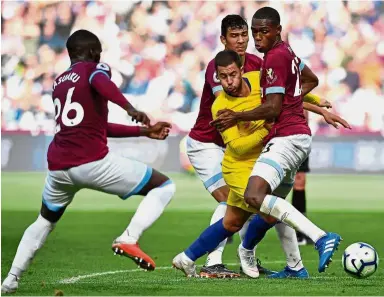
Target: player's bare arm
[(325, 103), (268, 111), (309, 80), (330, 118), (138, 116), (105, 87), (158, 131)]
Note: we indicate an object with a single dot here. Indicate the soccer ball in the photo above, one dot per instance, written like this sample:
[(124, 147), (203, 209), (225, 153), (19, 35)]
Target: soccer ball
[(360, 260)]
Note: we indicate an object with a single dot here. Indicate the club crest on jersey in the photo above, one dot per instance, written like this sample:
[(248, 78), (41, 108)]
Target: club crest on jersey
[(215, 79), (271, 76)]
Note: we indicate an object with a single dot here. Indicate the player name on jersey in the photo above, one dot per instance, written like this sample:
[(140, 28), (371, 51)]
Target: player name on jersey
[(72, 76)]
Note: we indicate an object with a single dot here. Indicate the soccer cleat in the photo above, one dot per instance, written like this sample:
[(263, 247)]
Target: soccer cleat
[(134, 252), (263, 270), (327, 246), (290, 273), (186, 265), (247, 260), (248, 264), (217, 271), (10, 284)]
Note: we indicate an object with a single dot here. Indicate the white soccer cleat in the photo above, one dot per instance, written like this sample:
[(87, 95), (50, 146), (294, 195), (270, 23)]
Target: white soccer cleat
[(248, 262), (186, 265), (10, 284)]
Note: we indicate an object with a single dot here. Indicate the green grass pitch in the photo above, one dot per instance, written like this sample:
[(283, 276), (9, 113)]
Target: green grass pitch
[(78, 260)]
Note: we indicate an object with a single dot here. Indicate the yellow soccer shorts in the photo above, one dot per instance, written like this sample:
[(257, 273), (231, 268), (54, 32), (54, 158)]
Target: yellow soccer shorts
[(237, 183)]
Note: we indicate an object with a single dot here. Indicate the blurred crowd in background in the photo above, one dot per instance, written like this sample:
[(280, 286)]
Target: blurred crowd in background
[(159, 50)]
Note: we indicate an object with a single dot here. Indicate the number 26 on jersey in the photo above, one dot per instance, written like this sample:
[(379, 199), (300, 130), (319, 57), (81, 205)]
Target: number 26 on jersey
[(63, 112)]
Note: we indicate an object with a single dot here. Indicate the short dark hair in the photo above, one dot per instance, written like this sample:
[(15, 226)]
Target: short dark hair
[(227, 57), (80, 41), (232, 21), (268, 13)]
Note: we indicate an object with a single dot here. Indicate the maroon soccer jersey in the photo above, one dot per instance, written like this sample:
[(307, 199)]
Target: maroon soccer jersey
[(281, 74), (202, 131), (81, 116)]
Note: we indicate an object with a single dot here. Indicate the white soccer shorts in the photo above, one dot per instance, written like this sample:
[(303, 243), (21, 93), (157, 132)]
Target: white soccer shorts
[(113, 174), (280, 160), (206, 159)]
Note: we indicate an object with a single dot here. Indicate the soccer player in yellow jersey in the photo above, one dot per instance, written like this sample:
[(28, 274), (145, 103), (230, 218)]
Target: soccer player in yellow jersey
[(245, 140), (243, 145), (204, 145)]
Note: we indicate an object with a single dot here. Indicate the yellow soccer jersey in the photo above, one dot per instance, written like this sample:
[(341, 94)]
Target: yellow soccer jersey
[(244, 141), (232, 159)]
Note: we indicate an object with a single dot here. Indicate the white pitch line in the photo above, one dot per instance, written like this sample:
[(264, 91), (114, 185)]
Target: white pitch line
[(75, 279)]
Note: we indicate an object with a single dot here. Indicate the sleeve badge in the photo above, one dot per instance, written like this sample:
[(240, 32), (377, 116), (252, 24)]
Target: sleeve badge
[(271, 76)]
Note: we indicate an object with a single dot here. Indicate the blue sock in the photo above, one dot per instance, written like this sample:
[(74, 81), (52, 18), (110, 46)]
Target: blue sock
[(256, 231), (208, 240)]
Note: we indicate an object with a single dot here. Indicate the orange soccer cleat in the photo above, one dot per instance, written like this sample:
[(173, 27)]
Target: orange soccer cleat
[(134, 252)]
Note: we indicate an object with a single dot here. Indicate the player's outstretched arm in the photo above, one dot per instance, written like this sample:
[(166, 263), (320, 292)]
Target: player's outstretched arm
[(309, 80), (266, 111), (316, 100), (158, 131), (106, 88), (120, 131), (329, 117)]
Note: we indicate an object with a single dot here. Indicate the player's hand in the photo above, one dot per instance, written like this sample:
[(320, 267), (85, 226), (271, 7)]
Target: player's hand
[(139, 117), (159, 131), (226, 119), (333, 120), (325, 103)]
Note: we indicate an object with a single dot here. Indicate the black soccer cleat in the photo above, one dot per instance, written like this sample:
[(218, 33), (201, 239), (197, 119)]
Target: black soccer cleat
[(217, 271), (263, 270)]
